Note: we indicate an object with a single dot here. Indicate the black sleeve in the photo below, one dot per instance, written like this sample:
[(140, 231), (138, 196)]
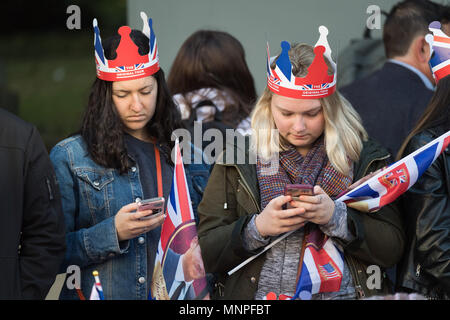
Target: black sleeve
[(42, 244), (426, 208)]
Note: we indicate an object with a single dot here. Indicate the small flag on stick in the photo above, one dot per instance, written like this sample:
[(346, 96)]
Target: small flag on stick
[(97, 290)]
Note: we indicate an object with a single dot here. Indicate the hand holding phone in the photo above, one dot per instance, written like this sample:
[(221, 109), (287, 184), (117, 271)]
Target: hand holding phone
[(154, 204), (129, 223), (319, 206)]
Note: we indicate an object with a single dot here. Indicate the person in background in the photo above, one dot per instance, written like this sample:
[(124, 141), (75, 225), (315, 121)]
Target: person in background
[(121, 155), (32, 243), (425, 267), (210, 75), (392, 99)]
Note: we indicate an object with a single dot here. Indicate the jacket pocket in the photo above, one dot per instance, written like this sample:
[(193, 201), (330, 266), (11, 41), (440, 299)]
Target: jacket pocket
[(96, 187), (244, 199)]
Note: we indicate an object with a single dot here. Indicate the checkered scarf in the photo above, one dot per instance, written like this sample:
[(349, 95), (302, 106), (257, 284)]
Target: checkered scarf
[(313, 169)]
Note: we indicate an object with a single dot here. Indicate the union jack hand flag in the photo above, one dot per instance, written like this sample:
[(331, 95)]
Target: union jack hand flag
[(178, 236), (389, 184), (322, 267), (97, 290), (323, 262)]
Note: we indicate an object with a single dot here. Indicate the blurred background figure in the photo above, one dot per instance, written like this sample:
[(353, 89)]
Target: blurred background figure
[(210, 75), (32, 242), (391, 100)]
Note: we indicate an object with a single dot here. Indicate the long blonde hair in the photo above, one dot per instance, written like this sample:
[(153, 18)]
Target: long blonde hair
[(343, 133)]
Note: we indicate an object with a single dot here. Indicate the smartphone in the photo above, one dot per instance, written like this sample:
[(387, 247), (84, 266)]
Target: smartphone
[(296, 190), (155, 204)]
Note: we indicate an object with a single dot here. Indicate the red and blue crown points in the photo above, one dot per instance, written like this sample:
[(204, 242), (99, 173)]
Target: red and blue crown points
[(283, 62), (435, 25), (317, 71), (439, 51), (127, 51), (129, 64), (316, 84), (98, 42)]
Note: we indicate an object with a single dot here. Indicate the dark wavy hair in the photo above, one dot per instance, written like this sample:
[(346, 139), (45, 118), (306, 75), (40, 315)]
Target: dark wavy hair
[(102, 128), (215, 59)]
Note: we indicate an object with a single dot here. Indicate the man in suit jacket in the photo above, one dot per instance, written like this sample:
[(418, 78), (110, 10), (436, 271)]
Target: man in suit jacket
[(391, 100)]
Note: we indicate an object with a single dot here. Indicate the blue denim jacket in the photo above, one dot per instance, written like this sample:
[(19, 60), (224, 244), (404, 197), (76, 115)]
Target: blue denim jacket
[(91, 196)]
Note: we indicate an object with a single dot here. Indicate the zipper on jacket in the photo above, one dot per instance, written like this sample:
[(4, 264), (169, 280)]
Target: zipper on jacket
[(418, 270), (359, 292), (372, 161), (220, 288), (353, 270), (49, 189), (247, 188)]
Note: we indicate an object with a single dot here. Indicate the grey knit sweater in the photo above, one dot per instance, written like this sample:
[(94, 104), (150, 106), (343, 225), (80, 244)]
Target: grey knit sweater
[(279, 270)]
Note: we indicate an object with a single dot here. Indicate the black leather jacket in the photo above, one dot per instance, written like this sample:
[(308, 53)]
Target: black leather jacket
[(425, 267)]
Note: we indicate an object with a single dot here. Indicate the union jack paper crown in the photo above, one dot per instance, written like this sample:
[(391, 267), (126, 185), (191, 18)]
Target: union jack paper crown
[(316, 84), (129, 64), (439, 51)]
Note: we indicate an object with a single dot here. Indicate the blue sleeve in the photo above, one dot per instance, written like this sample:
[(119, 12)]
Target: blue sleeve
[(197, 175), (170, 267)]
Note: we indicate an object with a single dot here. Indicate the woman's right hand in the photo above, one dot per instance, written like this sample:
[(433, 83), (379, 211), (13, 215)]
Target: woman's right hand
[(273, 220), (128, 225)]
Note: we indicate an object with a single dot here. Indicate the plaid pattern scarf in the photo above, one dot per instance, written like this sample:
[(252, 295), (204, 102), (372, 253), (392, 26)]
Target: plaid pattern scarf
[(313, 169)]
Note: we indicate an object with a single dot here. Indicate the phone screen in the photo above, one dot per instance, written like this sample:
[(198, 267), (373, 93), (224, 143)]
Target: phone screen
[(296, 190), (155, 204)]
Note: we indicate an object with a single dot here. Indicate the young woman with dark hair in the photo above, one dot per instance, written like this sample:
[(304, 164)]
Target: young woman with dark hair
[(210, 66), (121, 155)]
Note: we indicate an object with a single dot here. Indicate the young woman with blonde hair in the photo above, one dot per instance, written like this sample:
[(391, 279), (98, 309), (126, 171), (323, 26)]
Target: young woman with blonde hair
[(121, 155), (316, 138)]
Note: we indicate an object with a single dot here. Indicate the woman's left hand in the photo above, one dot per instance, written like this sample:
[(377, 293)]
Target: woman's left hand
[(319, 207)]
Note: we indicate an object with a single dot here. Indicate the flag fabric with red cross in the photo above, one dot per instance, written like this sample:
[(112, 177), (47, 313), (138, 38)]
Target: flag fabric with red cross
[(389, 184)]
